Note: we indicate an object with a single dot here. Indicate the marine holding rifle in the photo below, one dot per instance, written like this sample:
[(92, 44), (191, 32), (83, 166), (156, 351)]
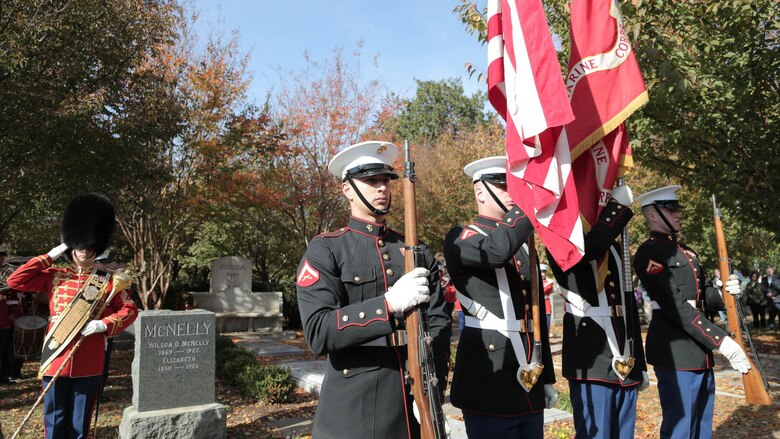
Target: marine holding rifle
[(84, 309), (497, 350), (352, 295), (680, 339), (603, 358)]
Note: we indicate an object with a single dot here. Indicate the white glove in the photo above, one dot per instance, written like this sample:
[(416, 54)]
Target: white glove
[(718, 283), (56, 252), (732, 285), (623, 195), (416, 411), (734, 353), (645, 381), (550, 396), (410, 290), (94, 327)]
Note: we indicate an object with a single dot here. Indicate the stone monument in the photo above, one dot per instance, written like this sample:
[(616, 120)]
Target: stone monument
[(231, 298), (173, 378)]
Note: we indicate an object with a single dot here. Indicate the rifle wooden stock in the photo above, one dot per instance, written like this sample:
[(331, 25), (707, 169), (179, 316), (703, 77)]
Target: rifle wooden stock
[(755, 391), (534, 271), (431, 416)]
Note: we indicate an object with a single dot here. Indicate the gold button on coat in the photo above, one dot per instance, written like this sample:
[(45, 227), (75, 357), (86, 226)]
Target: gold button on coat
[(491, 347), (381, 243), (357, 278), (379, 312), (362, 315), (386, 257), (345, 318), (345, 371), (389, 271)]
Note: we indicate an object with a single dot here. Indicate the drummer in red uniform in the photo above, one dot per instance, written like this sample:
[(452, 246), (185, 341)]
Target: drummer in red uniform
[(87, 225)]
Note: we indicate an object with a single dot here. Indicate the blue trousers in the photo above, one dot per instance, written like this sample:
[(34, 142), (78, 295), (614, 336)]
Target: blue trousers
[(67, 407), (504, 427), (687, 402), (603, 410)]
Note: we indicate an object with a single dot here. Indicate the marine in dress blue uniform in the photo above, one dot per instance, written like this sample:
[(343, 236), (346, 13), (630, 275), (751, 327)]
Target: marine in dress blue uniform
[(351, 289), (680, 340), (491, 271), (601, 329)]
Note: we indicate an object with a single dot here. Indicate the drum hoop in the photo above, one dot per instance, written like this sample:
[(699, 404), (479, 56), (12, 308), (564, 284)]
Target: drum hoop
[(36, 322)]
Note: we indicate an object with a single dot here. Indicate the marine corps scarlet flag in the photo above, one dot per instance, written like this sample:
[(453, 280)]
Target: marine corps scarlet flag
[(604, 82), (596, 171), (605, 86)]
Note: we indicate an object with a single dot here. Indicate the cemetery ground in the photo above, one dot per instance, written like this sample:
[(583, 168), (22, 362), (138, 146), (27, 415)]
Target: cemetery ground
[(248, 418)]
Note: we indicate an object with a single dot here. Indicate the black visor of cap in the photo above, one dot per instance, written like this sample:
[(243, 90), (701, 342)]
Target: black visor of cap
[(673, 205), (370, 170), (497, 179)]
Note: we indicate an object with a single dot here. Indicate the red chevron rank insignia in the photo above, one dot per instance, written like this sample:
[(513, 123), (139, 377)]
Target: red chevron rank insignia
[(467, 233), (308, 275), (654, 267)]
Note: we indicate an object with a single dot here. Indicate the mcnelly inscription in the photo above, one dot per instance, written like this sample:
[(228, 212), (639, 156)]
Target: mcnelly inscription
[(178, 329)]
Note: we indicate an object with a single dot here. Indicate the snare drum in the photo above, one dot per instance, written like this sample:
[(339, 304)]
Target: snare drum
[(29, 332)]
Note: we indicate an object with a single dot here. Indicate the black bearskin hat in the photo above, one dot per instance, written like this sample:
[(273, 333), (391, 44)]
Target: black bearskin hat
[(88, 222)]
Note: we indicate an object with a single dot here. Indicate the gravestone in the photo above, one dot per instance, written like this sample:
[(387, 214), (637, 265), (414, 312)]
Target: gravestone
[(231, 276), (173, 378), (237, 308)]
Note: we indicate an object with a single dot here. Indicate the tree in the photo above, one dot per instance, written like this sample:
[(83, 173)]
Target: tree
[(445, 195), (714, 114), (210, 137), (59, 63), (438, 107), (322, 109)]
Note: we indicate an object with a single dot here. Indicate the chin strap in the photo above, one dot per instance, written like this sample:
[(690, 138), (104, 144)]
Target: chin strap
[(495, 198), (368, 205), (666, 221)]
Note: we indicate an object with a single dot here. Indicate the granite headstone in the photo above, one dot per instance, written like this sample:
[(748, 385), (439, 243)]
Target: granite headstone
[(173, 348), (173, 377)]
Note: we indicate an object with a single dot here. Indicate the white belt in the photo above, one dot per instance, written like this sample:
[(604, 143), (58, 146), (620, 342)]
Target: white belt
[(472, 306), (595, 311), (509, 312), (655, 304), (601, 314), (494, 323)]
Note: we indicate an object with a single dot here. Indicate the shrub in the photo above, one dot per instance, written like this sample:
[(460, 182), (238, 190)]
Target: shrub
[(239, 368), (279, 384), (221, 343), (232, 363)]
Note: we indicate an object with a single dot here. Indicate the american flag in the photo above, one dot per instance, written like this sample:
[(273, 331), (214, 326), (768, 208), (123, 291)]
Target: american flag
[(525, 85)]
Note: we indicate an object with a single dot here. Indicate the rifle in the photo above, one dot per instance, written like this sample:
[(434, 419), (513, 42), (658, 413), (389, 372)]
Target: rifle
[(754, 382), (529, 374), (628, 288), (421, 370)]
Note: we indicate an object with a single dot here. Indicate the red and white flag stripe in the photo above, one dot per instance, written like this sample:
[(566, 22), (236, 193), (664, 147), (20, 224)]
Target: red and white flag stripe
[(524, 77), (526, 87)]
